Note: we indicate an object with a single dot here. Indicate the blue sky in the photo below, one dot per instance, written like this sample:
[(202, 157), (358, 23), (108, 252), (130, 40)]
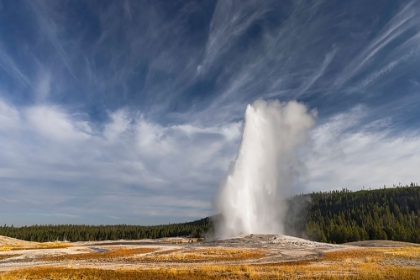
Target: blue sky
[(131, 111)]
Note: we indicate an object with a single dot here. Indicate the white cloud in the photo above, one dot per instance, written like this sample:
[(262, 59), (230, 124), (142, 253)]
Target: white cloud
[(9, 116), (364, 157), (55, 124), (119, 123), (57, 161)]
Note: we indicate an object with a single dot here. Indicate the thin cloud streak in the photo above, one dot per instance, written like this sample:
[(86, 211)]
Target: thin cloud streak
[(406, 19), (48, 29), (10, 67)]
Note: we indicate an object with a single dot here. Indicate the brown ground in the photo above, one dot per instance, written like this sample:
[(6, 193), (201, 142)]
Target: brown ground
[(260, 252)]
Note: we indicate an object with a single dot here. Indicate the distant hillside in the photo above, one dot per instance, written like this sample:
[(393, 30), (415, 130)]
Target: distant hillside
[(336, 217)]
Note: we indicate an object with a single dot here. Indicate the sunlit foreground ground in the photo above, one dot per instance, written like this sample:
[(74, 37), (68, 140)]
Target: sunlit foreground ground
[(252, 259)]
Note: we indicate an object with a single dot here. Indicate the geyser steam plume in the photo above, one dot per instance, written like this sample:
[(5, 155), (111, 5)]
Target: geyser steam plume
[(250, 196)]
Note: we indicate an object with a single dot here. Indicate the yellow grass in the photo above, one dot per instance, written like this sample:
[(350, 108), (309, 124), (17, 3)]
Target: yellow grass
[(216, 272), (97, 274), (360, 263), (118, 253), (203, 255), (33, 246), (410, 253)]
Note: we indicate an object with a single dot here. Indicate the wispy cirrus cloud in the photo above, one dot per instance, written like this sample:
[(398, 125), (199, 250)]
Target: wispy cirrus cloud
[(10, 67), (405, 22), (48, 28)]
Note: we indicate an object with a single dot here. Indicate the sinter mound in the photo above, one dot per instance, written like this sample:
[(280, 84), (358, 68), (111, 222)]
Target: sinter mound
[(263, 240), (4, 240)]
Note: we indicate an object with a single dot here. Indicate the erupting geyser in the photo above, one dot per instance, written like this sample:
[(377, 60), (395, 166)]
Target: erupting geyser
[(250, 196)]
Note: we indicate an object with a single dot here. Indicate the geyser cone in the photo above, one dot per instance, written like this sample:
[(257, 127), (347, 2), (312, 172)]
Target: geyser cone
[(249, 198)]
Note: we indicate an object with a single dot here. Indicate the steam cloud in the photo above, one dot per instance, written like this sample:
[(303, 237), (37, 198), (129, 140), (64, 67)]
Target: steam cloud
[(250, 196)]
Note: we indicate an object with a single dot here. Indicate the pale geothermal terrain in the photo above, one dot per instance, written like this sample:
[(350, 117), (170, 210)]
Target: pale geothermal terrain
[(246, 257)]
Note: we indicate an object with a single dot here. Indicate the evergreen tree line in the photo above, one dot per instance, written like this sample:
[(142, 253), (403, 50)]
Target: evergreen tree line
[(345, 216), (44, 233), (335, 217)]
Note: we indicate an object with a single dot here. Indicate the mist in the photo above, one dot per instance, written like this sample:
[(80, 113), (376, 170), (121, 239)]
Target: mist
[(250, 197)]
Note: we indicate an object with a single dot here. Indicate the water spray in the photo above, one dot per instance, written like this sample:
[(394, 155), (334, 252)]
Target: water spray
[(250, 198)]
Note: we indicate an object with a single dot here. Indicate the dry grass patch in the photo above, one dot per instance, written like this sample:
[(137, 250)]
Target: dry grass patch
[(215, 272), (373, 254), (119, 253), (34, 246), (408, 253), (360, 263), (166, 252), (333, 271), (99, 274), (203, 255), (358, 253)]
